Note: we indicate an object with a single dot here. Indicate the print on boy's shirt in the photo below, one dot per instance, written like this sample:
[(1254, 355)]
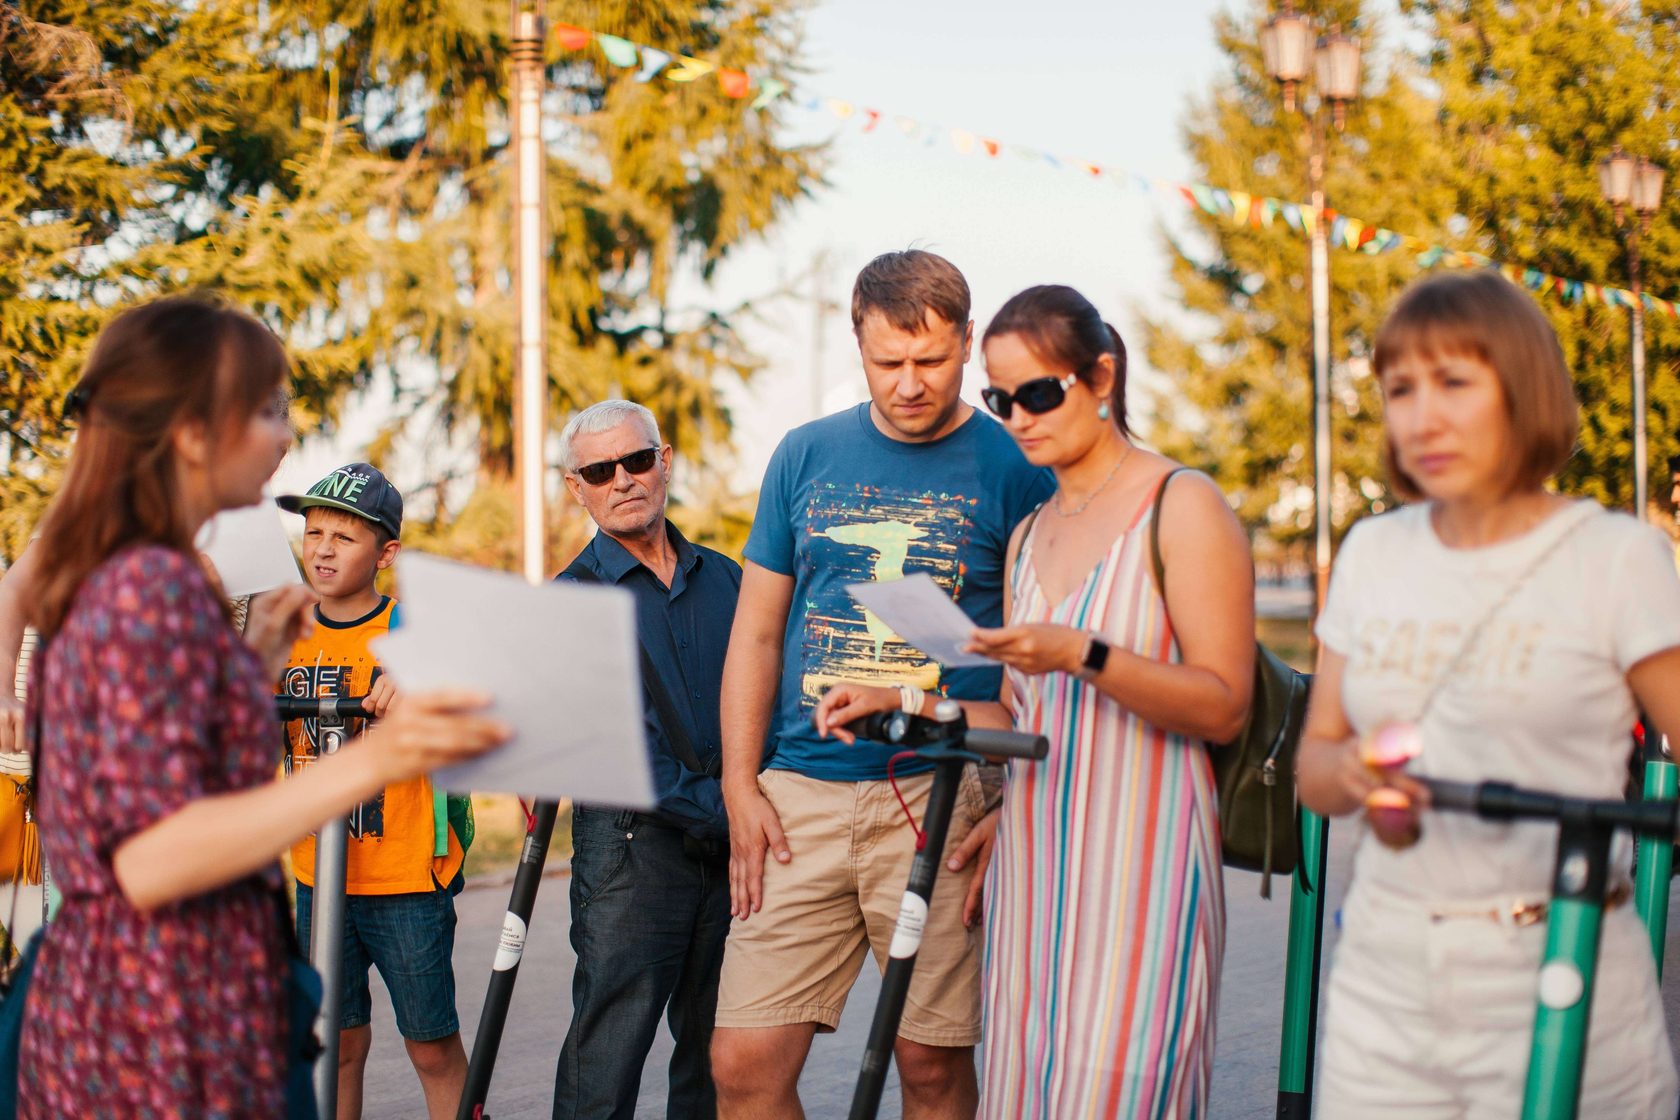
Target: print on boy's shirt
[(865, 534), (1419, 652), (367, 820)]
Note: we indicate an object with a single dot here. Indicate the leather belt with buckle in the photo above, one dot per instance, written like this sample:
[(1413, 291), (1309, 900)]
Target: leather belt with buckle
[(1522, 913)]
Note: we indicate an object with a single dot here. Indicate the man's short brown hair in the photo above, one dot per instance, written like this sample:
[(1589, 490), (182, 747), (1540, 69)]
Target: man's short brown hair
[(905, 286), (1484, 316)]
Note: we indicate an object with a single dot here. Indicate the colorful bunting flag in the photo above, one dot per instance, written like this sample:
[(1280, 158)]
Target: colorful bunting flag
[(1240, 207), (619, 52), (572, 38), (653, 61), (768, 90), (734, 83), (687, 69)]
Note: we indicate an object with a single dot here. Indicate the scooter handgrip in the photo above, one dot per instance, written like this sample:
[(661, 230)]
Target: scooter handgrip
[(1460, 797), (1006, 744), (318, 707)]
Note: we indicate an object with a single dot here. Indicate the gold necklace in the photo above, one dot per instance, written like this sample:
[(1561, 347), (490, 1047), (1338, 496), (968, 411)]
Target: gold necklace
[(1092, 496)]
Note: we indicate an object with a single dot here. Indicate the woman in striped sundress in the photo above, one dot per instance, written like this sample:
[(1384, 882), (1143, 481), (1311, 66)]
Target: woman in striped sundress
[(1105, 920)]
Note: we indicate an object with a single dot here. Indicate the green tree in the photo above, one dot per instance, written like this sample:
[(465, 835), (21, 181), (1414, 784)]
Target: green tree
[(1240, 365), (341, 168), (1531, 96), (142, 151)]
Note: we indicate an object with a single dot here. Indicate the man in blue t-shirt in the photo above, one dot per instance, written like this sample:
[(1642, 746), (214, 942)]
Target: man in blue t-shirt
[(913, 481)]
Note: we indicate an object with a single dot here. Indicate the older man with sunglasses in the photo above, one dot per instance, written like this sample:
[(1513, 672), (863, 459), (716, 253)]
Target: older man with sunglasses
[(649, 891)]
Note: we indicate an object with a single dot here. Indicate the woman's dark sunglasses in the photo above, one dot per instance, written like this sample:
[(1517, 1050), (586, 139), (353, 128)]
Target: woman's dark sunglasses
[(1037, 396), (637, 462)]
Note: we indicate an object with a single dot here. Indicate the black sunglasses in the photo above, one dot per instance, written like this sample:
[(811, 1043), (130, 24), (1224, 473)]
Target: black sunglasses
[(637, 462), (1037, 396)]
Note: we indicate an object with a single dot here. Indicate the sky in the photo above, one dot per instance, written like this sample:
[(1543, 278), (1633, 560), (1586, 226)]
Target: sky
[(1101, 83)]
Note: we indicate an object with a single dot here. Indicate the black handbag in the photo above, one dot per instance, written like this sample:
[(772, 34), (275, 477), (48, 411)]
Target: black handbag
[(1259, 817)]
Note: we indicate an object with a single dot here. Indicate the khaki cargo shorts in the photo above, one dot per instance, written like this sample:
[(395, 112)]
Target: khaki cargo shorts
[(796, 959)]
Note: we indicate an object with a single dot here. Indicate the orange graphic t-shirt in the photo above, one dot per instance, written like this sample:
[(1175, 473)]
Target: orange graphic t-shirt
[(393, 836)]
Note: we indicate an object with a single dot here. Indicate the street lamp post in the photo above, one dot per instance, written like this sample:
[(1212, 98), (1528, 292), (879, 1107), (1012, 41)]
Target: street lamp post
[(1288, 48), (1636, 183), (530, 293), (1287, 44)]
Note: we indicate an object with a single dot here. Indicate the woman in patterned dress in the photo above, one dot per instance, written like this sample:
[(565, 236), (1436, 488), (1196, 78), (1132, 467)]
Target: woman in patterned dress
[(158, 990), (1105, 910)]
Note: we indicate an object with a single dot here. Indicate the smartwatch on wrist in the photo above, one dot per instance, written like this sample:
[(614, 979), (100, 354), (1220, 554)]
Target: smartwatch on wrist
[(1096, 656)]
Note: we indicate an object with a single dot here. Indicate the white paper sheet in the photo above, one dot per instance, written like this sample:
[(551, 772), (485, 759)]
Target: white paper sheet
[(249, 549), (560, 660), (922, 615)]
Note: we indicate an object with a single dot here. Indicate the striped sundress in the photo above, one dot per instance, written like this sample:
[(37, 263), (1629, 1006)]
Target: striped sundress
[(1105, 922)]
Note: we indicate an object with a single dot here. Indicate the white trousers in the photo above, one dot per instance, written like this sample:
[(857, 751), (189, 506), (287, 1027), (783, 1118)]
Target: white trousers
[(1433, 1019)]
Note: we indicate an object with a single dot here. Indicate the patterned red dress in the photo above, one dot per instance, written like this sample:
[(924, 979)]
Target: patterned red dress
[(149, 700)]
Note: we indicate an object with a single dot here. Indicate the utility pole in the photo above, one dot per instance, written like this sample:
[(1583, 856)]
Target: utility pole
[(530, 288), (822, 274)]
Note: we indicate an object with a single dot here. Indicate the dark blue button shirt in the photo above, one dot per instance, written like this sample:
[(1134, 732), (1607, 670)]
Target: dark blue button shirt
[(685, 630)]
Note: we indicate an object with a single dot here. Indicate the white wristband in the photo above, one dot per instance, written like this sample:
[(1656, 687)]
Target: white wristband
[(910, 699)]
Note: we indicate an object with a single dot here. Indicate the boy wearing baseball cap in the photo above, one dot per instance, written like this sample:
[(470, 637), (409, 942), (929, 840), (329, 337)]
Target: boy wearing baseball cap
[(403, 856)]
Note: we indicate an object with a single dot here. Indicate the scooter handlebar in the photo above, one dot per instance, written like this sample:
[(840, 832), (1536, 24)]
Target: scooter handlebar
[(337, 708), (1006, 744)]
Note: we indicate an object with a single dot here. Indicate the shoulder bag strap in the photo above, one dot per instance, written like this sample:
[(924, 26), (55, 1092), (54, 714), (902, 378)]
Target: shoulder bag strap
[(1572, 522), (1155, 533), (675, 732)]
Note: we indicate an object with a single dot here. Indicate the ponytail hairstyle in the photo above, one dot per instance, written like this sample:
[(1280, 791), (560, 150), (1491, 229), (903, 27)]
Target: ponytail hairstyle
[(153, 368), (1063, 329)]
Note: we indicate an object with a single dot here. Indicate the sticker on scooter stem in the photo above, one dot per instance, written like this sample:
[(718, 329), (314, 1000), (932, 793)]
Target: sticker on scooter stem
[(1561, 986), (912, 919), (512, 944)]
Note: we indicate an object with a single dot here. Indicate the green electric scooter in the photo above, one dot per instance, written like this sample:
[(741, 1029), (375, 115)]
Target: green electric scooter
[(1655, 862), (1574, 920)]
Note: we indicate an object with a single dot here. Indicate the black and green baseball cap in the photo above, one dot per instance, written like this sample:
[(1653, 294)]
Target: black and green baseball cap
[(360, 489)]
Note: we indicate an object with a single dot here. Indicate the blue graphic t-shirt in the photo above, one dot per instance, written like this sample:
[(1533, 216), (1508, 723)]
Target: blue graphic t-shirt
[(842, 503)]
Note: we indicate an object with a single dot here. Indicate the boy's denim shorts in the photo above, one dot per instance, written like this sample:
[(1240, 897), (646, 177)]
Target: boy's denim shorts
[(410, 938)]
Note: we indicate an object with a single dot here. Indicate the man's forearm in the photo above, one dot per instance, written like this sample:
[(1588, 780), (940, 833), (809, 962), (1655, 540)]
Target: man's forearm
[(749, 690)]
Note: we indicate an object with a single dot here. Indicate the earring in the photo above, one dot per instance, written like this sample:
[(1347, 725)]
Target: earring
[(1102, 411)]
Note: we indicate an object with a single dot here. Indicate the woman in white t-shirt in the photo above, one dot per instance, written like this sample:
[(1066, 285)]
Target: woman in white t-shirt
[(1563, 620)]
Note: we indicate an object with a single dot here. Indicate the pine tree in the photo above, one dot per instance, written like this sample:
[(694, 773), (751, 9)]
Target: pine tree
[(1240, 404), (143, 150)]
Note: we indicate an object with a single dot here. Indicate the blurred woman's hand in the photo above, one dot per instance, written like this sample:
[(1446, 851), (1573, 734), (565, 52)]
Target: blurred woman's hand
[(1033, 649), (429, 730), (276, 620)]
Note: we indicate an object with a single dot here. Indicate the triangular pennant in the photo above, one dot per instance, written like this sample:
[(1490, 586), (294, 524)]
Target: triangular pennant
[(619, 52), (991, 146), (1093, 170), (841, 109), (1309, 220), (768, 90), (687, 69), (1292, 215), (734, 83), (874, 116), (1337, 226), (1268, 211), (1239, 207), (1431, 256), (963, 139), (1204, 198), (908, 125), (1221, 200), (1052, 161), (571, 38), (653, 61)]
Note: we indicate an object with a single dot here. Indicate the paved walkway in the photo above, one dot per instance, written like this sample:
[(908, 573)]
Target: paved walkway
[(1245, 1076)]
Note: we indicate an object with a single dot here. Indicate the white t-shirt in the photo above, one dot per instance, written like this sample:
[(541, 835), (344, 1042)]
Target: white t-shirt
[(1541, 701)]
